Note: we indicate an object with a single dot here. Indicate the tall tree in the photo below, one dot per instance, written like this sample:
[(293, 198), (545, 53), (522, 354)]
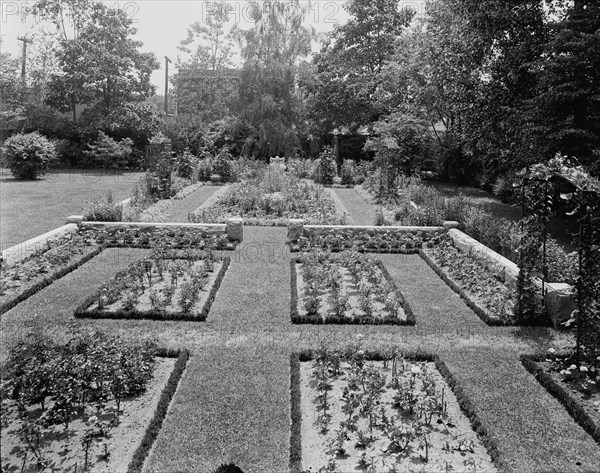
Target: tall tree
[(351, 60), (271, 50), (103, 67), (567, 106), (206, 55)]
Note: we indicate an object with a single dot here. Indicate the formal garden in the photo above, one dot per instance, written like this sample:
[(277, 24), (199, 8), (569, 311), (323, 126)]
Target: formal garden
[(368, 259)]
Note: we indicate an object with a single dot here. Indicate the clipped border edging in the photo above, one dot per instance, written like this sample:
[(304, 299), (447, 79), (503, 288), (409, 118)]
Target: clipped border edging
[(81, 312), (141, 453), (330, 320), (581, 417), (466, 405)]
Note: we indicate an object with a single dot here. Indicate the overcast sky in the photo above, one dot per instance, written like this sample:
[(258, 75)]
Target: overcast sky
[(162, 24)]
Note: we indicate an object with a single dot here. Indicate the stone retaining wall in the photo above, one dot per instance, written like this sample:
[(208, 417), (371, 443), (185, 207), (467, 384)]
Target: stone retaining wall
[(22, 251), (559, 297)]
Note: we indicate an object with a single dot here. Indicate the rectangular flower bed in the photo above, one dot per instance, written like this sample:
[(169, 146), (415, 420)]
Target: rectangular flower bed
[(66, 254), (272, 197), (349, 289), (161, 287), (491, 299), (93, 405), (353, 411)]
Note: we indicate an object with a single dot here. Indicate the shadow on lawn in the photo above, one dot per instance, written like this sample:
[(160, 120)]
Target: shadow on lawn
[(537, 337)]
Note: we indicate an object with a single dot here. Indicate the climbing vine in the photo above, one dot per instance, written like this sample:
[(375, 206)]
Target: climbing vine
[(561, 186)]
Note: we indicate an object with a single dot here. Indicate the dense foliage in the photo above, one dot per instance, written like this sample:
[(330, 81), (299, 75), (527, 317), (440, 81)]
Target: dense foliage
[(28, 155)]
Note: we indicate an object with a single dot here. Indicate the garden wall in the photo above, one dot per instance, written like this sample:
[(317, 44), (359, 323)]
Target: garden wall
[(296, 229), (559, 298), (22, 251)]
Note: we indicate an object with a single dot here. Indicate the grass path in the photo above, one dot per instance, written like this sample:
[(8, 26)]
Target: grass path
[(361, 212), (181, 208), (232, 404)]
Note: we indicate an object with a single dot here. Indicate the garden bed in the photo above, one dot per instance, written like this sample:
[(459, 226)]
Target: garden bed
[(41, 269), (162, 287), (382, 242), (272, 198), (486, 295), (71, 251), (576, 386), (132, 236), (91, 405), (351, 289), (359, 412)]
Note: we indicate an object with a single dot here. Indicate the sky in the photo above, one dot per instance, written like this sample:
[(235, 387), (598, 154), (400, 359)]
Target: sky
[(162, 24)]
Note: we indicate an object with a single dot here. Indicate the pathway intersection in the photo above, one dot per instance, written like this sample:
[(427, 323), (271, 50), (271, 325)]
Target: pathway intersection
[(233, 402)]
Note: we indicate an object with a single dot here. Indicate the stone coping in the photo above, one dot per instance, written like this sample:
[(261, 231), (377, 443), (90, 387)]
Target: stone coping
[(22, 251)]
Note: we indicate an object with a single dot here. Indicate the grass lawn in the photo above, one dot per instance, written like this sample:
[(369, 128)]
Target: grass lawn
[(30, 208), (233, 401)]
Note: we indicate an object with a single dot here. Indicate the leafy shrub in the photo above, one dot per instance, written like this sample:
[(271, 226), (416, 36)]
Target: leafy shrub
[(104, 211), (503, 187), (300, 168), (348, 171), (109, 153), (186, 165), (205, 169), (28, 155), (223, 166), (326, 167)]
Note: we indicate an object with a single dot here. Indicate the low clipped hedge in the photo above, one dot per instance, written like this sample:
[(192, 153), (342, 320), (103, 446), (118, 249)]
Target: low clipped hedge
[(296, 318), (530, 362), (139, 456), (82, 312)]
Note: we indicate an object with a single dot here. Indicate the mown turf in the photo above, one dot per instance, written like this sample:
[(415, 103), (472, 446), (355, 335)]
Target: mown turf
[(232, 404), (361, 212), (181, 208), (30, 208)]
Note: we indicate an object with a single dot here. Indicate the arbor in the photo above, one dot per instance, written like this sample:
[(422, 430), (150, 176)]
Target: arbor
[(103, 66)]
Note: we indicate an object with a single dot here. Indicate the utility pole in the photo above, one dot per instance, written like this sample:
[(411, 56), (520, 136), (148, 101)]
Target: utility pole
[(23, 58), (167, 61)]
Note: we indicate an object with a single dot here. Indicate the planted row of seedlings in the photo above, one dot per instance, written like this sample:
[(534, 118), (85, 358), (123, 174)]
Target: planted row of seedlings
[(77, 407), (352, 288), (169, 284), (387, 415)]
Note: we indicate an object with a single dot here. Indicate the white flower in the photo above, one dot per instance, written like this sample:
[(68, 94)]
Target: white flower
[(583, 368), (415, 370), (360, 352), (551, 350), (573, 367), (567, 372)]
